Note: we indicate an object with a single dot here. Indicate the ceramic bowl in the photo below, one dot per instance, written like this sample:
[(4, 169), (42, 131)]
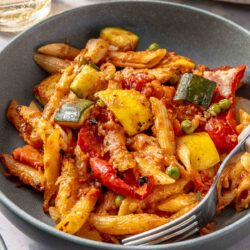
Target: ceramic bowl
[(200, 35)]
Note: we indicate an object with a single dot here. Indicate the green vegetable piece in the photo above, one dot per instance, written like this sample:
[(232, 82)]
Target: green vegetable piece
[(195, 89), (215, 109), (173, 171), (187, 126), (154, 46), (225, 104), (118, 200), (94, 66), (74, 113)]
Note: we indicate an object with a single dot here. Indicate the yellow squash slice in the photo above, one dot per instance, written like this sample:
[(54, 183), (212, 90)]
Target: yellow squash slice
[(197, 151), (130, 107)]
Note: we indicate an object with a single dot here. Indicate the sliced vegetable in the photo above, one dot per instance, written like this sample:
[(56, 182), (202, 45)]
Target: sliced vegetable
[(104, 172), (87, 82), (195, 89), (222, 132), (89, 141), (197, 151), (130, 107), (29, 155), (123, 39), (227, 80), (94, 66), (137, 81), (73, 113), (153, 46)]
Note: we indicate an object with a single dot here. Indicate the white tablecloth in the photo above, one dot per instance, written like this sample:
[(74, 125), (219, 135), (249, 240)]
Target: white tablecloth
[(15, 239)]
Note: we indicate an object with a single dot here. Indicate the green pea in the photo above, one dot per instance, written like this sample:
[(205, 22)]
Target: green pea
[(154, 46), (173, 172), (214, 109), (187, 126), (118, 200), (225, 104)]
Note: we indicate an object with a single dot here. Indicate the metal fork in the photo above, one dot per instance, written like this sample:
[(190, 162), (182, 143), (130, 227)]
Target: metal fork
[(198, 217)]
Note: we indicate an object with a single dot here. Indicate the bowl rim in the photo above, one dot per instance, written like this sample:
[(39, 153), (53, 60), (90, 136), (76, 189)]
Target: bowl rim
[(101, 245)]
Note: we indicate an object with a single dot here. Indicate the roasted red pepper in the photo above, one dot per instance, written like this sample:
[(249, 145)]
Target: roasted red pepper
[(29, 155), (137, 81), (227, 79), (222, 127), (222, 133), (104, 172), (89, 140)]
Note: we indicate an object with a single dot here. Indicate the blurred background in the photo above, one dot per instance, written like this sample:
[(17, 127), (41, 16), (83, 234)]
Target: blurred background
[(18, 15)]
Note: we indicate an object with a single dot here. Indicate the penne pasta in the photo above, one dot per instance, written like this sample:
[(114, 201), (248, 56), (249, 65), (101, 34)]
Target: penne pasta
[(51, 166), (163, 126), (80, 212), (23, 128), (60, 50), (96, 50), (175, 203), (137, 60), (146, 169), (126, 224), (62, 88), (68, 187), (25, 173), (51, 64)]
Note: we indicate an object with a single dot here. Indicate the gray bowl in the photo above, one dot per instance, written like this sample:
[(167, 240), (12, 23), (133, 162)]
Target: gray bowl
[(203, 36)]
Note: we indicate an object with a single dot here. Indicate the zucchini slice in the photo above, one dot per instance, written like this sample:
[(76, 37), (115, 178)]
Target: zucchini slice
[(195, 89), (74, 113)]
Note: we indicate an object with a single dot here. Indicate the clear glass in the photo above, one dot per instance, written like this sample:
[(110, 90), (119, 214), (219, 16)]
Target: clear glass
[(16, 15)]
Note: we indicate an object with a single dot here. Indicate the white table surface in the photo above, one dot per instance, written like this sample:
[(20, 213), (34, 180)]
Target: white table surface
[(14, 238)]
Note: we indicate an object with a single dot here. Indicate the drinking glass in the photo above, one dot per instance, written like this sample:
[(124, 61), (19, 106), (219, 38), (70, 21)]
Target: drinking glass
[(16, 15)]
